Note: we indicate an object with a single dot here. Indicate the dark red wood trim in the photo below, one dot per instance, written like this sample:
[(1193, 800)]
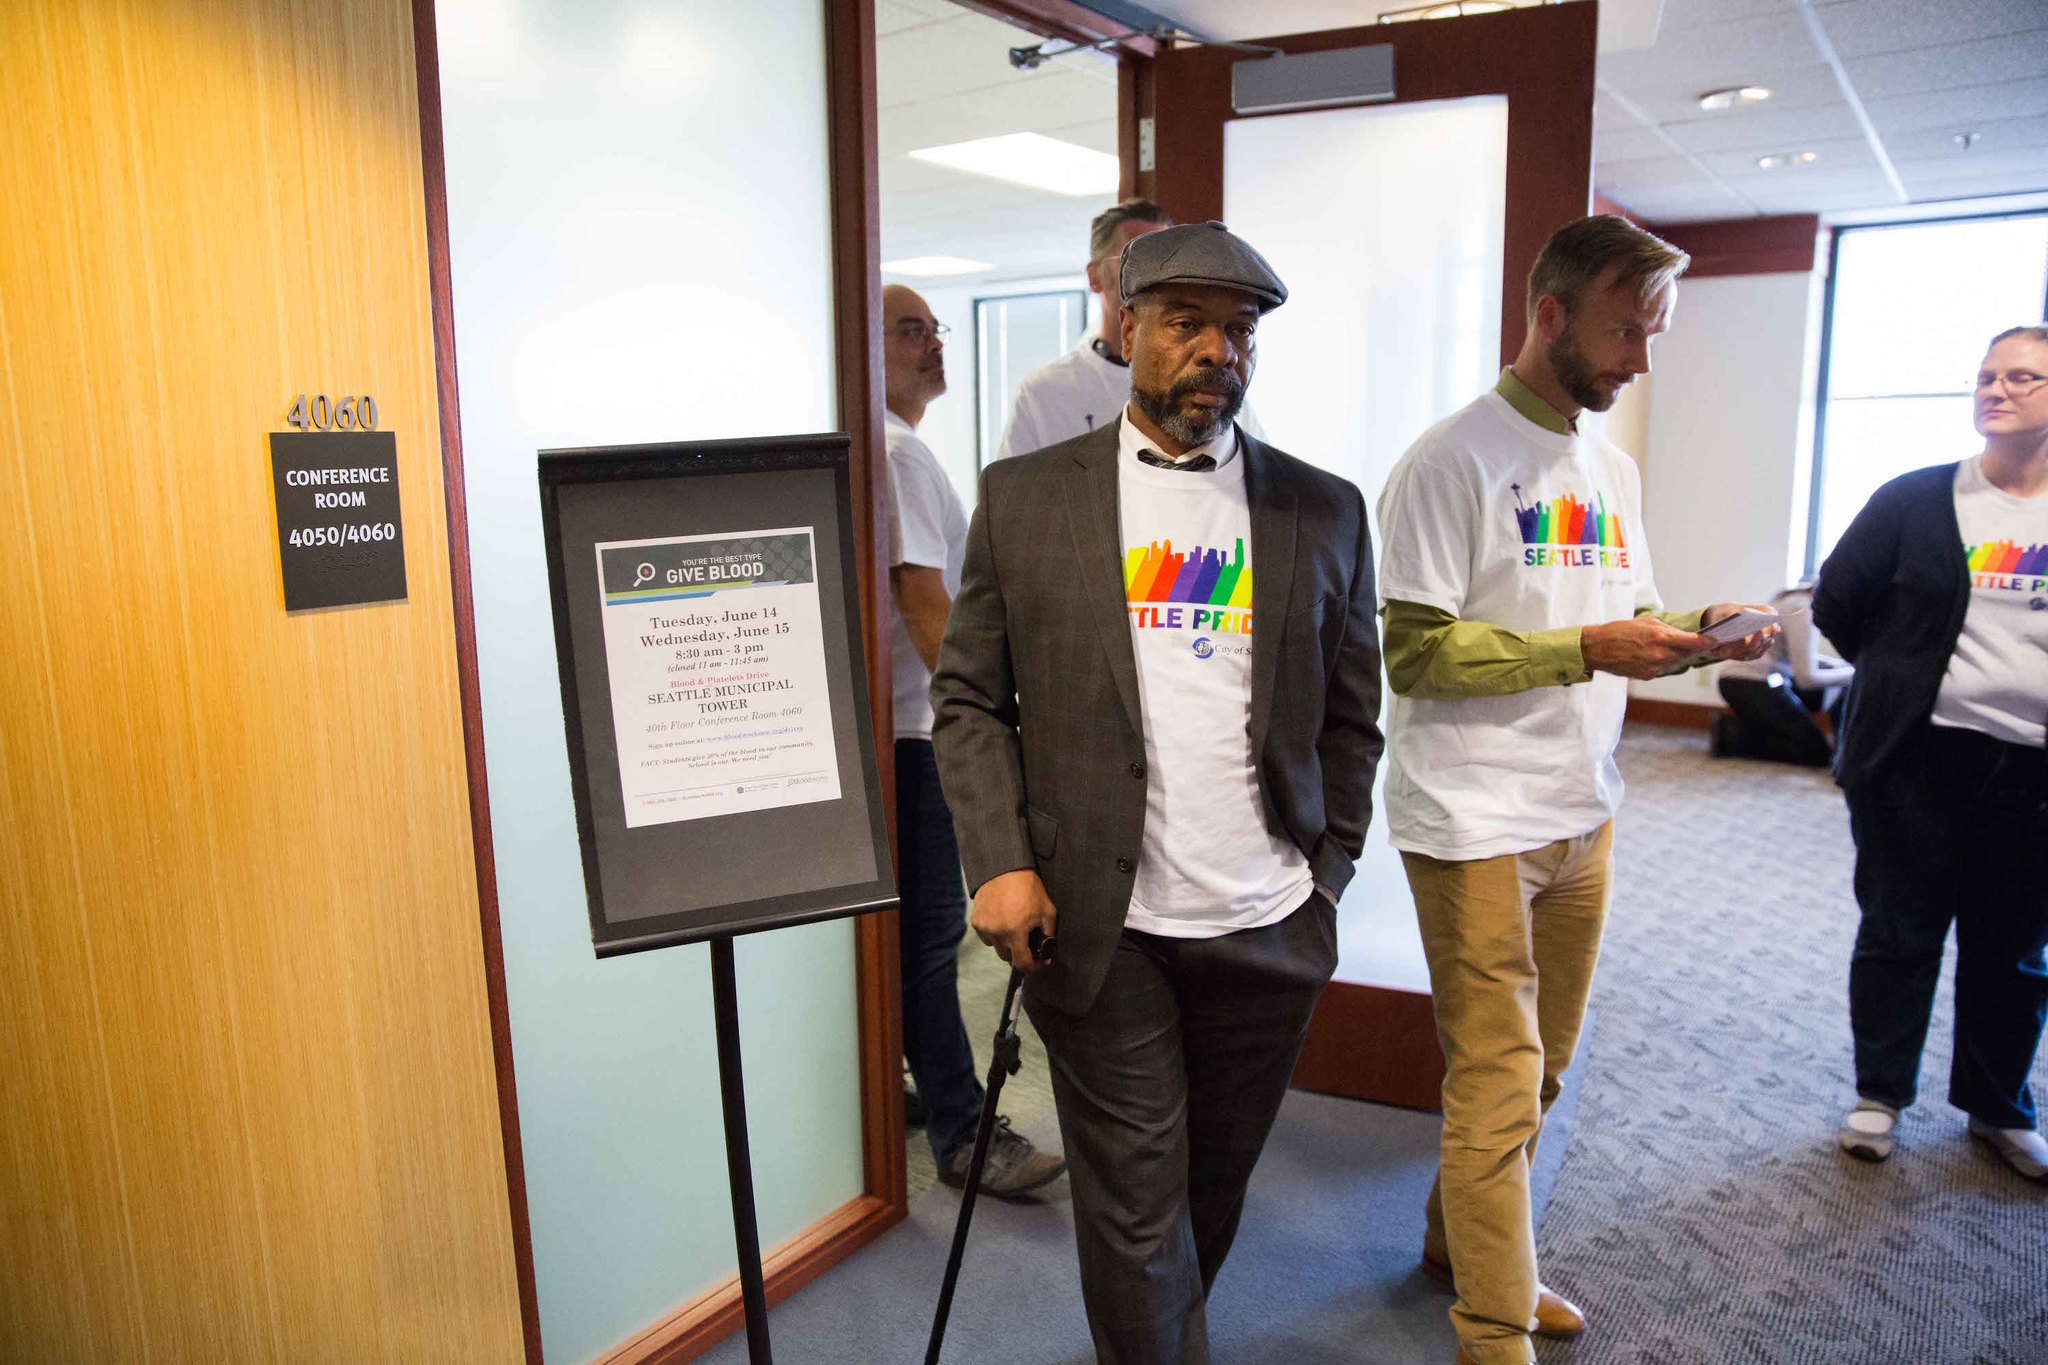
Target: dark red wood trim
[(852, 97), (434, 172), (1541, 58), (1788, 244), (1373, 1043), (717, 1313), (1134, 100), (1675, 715)]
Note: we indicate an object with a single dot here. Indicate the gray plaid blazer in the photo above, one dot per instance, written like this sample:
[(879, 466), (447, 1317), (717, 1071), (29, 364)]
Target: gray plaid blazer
[(1036, 694)]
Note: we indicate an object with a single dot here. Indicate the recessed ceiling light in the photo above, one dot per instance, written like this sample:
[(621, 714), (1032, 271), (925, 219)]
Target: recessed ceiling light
[(1715, 100), (1043, 163), (1778, 161), (928, 266)]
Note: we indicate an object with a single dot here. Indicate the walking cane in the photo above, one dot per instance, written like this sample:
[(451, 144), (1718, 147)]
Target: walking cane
[(1003, 1066)]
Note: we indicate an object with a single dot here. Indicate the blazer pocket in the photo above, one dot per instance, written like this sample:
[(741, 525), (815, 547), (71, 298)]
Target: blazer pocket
[(1045, 831)]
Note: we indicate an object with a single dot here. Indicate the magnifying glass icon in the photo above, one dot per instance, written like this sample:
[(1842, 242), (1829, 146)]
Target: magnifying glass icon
[(645, 575)]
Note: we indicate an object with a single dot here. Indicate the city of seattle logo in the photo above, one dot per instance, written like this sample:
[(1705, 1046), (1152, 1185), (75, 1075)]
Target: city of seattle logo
[(1567, 532), (2004, 564)]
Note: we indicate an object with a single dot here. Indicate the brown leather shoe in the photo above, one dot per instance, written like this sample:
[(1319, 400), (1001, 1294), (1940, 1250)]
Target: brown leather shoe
[(1556, 1316)]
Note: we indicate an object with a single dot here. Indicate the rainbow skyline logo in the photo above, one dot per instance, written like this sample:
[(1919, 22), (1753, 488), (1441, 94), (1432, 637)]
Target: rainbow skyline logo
[(2005, 564), (1198, 590), (1567, 532)]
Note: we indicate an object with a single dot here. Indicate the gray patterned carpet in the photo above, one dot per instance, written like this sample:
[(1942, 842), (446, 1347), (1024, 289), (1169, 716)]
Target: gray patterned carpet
[(1703, 1213)]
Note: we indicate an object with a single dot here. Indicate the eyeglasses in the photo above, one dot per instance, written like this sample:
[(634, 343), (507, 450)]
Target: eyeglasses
[(914, 331), (2018, 383)]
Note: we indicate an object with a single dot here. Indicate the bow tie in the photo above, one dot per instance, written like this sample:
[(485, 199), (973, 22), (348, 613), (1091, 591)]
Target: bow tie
[(1200, 464)]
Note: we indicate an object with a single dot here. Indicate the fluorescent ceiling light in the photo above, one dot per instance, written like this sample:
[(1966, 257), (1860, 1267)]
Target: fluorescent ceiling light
[(935, 265), (1457, 9), (1043, 163), (1778, 161), (1715, 100)]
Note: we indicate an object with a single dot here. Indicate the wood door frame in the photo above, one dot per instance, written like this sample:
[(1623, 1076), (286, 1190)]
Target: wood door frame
[(703, 1321), (1379, 1042), (1541, 58)]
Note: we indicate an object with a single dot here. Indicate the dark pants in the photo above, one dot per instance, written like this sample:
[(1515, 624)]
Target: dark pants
[(1958, 836), (1769, 720), (1166, 1089), (930, 926)]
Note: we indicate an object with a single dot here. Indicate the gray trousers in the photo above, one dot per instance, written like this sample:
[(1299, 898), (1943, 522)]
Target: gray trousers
[(1166, 1089)]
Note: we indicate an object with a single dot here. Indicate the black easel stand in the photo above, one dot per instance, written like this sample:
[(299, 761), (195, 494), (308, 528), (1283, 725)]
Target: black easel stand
[(738, 1163), (1000, 1068)]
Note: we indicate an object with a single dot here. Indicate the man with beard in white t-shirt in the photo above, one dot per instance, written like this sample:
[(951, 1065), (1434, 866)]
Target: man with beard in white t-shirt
[(1518, 599)]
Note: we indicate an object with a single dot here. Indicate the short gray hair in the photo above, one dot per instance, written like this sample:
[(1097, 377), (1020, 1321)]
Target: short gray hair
[(1578, 253), (2037, 331), (1102, 232)]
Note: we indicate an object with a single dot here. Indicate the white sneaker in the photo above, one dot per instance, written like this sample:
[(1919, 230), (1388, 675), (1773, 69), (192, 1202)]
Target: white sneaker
[(1866, 1133), (2024, 1149)]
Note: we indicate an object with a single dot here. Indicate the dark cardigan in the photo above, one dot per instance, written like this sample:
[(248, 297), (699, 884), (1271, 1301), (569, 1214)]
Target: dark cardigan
[(1891, 599)]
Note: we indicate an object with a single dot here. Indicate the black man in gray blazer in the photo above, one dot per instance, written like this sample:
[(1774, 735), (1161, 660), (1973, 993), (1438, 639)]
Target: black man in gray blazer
[(1156, 724)]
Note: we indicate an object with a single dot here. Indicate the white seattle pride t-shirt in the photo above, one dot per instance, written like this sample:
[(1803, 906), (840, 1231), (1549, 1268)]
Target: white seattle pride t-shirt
[(1207, 866), (1492, 518), (1997, 680)]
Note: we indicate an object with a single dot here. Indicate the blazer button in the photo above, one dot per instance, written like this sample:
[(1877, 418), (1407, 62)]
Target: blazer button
[(1123, 864), (1137, 770)]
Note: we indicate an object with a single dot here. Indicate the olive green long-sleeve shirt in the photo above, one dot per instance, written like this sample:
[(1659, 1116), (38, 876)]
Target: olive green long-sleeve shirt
[(1435, 656)]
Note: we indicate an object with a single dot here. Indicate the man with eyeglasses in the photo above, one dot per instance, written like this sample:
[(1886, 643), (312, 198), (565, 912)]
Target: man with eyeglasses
[(927, 539)]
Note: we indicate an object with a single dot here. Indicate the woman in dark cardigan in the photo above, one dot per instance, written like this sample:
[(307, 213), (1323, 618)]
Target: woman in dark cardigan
[(1938, 593)]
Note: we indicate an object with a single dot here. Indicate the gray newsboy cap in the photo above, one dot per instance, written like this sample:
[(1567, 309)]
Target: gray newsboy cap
[(1198, 253)]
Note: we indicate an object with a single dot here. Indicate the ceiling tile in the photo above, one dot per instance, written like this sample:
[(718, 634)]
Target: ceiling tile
[(1691, 61), (1835, 155), (1681, 203), (1864, 28), (1963, 107), (1685, 14), (1622, 178), (1800, 87), (1994, 136), (1632, 143), (1764, 129), (1951, 67), (1814, 190)]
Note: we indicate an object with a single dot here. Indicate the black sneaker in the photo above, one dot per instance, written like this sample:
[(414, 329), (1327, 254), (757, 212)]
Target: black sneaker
[(1014, 1167)]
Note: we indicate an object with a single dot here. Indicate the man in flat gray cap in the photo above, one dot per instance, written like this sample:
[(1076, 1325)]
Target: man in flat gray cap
[(1156, 708)]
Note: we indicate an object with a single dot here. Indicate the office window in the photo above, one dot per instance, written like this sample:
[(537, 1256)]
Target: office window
[(1910, 308), (1013, 336)]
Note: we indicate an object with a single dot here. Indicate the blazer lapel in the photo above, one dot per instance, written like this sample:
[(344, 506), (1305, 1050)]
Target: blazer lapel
[(1273, 526), (1099, 555)]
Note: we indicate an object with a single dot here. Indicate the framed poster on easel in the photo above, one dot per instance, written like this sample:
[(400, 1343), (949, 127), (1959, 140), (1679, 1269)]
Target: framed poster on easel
[(714, 692)]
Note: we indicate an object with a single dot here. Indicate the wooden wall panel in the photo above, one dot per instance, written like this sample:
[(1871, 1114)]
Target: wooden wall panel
[(247, 1068)]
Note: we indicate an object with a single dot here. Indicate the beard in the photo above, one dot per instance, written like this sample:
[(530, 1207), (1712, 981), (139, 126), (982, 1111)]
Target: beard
[(1192, 426), (1576, 376)]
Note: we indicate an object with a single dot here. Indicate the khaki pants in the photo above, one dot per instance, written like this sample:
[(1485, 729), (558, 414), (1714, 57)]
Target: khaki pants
[(1511, 943)]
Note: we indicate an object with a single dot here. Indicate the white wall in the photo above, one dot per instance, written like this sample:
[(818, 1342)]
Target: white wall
[(640, 242), (1730, 435)]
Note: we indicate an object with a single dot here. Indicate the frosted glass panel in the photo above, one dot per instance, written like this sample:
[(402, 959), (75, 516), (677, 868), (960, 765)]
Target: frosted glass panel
[(640, 244), (1386, 225)]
